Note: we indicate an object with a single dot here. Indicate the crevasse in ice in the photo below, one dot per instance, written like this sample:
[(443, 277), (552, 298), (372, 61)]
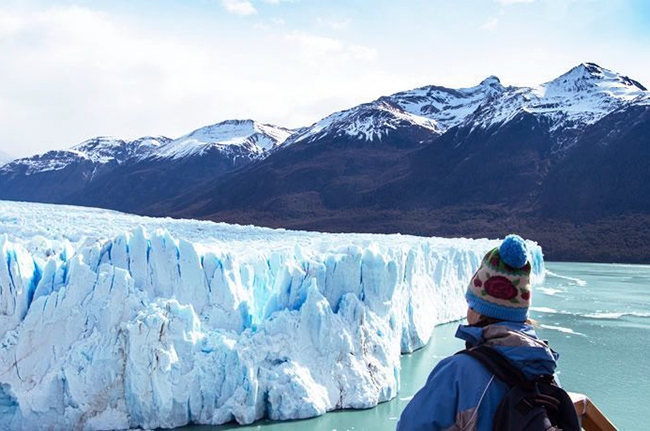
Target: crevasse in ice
[(111, 321)]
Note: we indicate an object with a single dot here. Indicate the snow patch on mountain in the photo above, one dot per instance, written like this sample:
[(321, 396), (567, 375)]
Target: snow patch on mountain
[(106, 150), (433, 108), (574, 100), (367, 122), (113, 321), (97, 151), (258, 139), (448, 107), (253, 138), (643, 100), (591, 78)]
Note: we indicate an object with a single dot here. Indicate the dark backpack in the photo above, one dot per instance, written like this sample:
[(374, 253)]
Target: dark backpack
[(537, 404)]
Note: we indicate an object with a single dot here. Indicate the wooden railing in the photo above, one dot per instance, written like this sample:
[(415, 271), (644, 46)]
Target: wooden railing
[(592, 418)]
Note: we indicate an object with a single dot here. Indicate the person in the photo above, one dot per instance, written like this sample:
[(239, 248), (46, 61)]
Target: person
[(460, 393)]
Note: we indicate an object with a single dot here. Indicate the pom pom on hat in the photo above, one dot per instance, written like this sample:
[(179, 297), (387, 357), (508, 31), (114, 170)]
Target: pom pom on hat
[(513, 251)]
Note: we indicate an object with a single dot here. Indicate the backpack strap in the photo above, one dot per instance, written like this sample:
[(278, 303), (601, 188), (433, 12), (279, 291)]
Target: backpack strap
[(498, 365), (525, 396)]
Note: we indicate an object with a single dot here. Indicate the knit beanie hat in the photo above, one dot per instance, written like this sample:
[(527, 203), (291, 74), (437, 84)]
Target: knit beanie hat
[(500, 288)]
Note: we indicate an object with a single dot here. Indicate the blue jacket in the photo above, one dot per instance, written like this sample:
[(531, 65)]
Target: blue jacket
[(460, 394)]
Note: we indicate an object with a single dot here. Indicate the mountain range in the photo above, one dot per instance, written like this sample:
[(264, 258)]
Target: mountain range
[(565, 162)]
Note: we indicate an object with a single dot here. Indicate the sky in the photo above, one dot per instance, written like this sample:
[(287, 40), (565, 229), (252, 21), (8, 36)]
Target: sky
[(71, 70)]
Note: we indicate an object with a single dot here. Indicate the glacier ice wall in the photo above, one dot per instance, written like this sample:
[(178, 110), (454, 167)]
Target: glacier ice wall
[(109, 321)]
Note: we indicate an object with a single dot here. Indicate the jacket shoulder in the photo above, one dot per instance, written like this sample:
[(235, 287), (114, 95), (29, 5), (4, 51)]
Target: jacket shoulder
[(451, 395)]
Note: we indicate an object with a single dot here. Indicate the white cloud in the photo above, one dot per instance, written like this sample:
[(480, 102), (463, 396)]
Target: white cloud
[(320, 50), (269, 25), (363, 52), (262, 26), (334, 25), (491, 24), (10, 24), (71, 73), (316, 45), (510, 2), (276, 2), (239, 7)]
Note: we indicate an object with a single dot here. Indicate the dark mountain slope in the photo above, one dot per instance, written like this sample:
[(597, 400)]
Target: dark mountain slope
[(134, 175), (56, 175), (304, 179), (501, 164), (607, 173), (472, 181), (138, 186)]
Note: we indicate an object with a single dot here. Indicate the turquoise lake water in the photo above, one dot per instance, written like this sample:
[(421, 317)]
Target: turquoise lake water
[(597, 316)]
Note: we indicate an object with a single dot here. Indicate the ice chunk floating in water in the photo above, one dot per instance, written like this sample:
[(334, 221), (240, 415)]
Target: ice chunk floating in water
[(112, 321)]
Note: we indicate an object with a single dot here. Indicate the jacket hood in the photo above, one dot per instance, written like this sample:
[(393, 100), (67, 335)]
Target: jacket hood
[(517, 342)]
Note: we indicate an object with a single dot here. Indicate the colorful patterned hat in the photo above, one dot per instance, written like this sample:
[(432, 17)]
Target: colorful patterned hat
[(500, 288)]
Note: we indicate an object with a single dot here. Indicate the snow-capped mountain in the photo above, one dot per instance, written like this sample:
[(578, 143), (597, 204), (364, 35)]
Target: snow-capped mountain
[(578, 98), (570, 102), (447, 107), (258, 139), (106, 150), (434, 109), (366, 122), (94, 171), (478, 161), (504, 152), (246, 136), (96, 151)]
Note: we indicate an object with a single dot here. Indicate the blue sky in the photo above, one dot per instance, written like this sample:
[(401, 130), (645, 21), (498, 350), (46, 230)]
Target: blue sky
[(77, 69)]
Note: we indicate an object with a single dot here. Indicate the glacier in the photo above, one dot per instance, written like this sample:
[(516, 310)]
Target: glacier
[(116, 321)]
